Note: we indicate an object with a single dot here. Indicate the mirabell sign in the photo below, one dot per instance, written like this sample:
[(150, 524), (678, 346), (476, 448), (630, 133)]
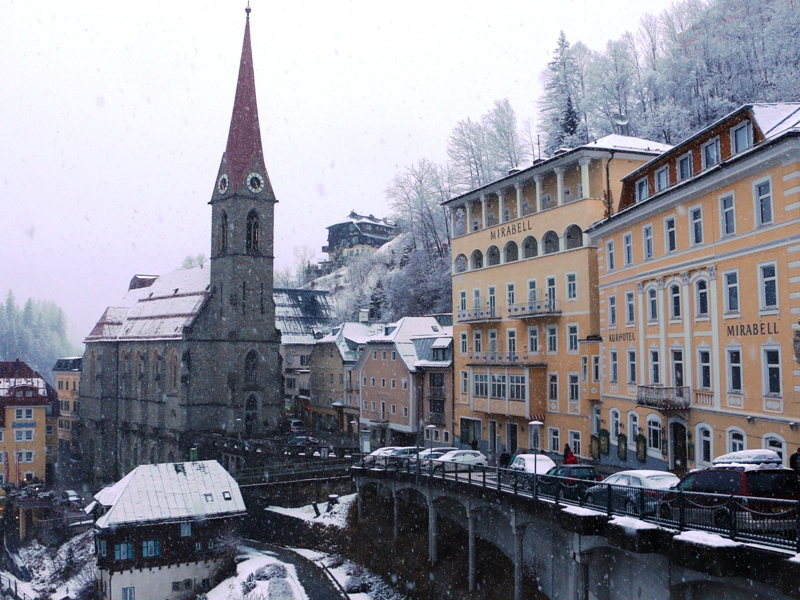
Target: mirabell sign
[(513, 229)]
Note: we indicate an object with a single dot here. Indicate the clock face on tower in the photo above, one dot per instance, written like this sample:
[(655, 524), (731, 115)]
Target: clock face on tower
[(222, 184), (255, 183)]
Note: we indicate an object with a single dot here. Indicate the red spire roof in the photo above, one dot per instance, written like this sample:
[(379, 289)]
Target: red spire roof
[(244, 137)]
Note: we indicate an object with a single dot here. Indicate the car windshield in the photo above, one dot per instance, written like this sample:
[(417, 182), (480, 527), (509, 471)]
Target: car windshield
[(763, 483)]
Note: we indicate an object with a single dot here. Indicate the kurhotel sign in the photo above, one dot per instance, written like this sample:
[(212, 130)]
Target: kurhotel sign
[(510, 230)]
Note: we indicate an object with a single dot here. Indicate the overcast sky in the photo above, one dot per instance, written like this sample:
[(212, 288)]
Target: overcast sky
[(114, 116)]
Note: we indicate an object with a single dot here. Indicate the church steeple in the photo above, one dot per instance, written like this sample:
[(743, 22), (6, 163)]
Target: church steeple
[(244, 155)]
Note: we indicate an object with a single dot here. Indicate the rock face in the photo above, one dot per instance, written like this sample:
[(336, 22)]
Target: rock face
[(195, 351)]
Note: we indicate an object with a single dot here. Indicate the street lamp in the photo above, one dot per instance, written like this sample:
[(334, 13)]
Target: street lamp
[(536, 424), (430, 435), (353, 425)]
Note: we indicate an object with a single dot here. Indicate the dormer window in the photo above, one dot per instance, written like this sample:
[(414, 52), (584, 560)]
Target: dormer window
[(685, 166), (741, 137), (662, 179), (711, 153), (641, 189)]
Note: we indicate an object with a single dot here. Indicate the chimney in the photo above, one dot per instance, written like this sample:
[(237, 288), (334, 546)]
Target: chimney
[(363, 315)]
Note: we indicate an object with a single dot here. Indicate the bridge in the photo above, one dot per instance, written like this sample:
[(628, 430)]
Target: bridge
[(584, 540)]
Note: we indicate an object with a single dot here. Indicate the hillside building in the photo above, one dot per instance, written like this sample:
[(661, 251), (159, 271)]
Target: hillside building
[(357, 235), (195, 351), (526, 329), (699, 297), (68, 380)]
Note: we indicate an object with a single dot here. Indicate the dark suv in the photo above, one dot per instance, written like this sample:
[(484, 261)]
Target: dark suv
[(569, 481), (750, 492)]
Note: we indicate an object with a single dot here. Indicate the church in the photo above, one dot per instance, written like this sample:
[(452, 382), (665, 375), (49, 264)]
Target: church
[(194, 352)]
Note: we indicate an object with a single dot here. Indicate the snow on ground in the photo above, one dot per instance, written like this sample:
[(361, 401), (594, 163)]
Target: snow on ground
[(61, 571), (337, 517), (631, 525), (582, 512), (359, 583), (706, 539), (261, 576)]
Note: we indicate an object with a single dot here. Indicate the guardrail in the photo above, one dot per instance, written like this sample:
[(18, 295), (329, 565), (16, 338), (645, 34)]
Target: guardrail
[(8, 586), (286, 472), (769, 521)]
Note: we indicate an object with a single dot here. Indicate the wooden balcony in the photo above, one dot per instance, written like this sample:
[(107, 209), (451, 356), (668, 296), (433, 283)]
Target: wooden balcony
[(664, 398)]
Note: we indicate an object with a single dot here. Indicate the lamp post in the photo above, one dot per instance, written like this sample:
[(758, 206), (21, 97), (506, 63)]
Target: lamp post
[(536, 424), (430, 434), (353, 425)]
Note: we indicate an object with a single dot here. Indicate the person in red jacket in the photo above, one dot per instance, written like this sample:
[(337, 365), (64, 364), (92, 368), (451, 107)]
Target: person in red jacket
[(571, 460)]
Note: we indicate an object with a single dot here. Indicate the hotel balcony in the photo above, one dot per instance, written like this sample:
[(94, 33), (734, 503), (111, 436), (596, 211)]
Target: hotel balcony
[(535, 308), (664, 398), (483, 312), (503, 358)]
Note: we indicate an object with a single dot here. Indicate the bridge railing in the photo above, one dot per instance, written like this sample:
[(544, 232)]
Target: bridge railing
[(769, 521)]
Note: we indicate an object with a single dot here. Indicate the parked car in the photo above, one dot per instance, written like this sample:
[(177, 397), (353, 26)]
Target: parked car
[(460, 460), (292, 426), (635, 492), (747, 486), (70, 497), (304, 440), (570, 481), (428, 452), (526, 466), (376, 456)]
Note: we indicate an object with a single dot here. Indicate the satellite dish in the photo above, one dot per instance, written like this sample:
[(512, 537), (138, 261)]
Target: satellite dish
[(619, 119)]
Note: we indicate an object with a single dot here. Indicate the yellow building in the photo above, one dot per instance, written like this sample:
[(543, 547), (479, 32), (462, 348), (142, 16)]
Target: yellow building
[(26, 405), (68, 381), (699, 276), (526, 332)]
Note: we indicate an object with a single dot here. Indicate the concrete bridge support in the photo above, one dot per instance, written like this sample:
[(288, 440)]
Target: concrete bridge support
[(471, 547), (519, 558), (432, 550)]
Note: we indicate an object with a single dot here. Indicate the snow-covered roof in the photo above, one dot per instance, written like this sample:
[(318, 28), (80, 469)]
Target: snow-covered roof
[(169, 492), (615, 141), (349, 336), (160, 310), (774, 119), (303, 316)]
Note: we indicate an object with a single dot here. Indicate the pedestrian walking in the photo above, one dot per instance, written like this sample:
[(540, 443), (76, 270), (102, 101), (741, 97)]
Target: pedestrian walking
[(570, 460), (474, 443), (505, 459), (794, 461), (567, 451)]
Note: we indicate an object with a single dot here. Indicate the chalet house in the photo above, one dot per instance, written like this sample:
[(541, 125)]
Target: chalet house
[(166, 531), (357, 235)]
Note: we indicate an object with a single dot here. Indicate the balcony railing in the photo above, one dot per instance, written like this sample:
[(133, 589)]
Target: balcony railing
[(481, 311), (535, 308), (436, 418), (663, 398), (351, 386), (704, 398), (436, 392)]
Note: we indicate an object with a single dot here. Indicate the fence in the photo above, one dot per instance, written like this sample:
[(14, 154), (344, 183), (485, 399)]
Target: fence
[(769, 521), (9, 586)]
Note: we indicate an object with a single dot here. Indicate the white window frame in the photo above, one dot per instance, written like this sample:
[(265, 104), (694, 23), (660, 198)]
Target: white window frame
[(465, 382), (704, 369), (627, 249), (575, 441), (630, 308), (573, 335), (463, 342), (655, 366), (763, 281), (554, 439), (723, 212), (642, 189), (748, 128), (614, 419), (733, 366), (701, 292), (511, 341), (613, 360), (552, 339), (533, 339), (670, 235), (731, 291), (693, 231), (633, 427), (477, 341), (585, 369), (655, 434), (652, 305), (648, 247), (596, 368), (511, 294), (462, 300), (571, 280), (632, 366), (689, 162), (552, 387), (729, 437), (612, 311), (532, 291), (663, 171), (610, 265), (717, 157), (767, 367), (702, 439)]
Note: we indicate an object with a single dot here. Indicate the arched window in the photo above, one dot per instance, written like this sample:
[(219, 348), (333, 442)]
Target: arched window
[(654, 433), (573, 237), (736, 440), (776, 443), (512, 251), (633, 428), (675, 301), (705, 445), (461, 263), (530, 247), (614, 415), (596, 421), (702, 298), (492, 256), (251, 244), (223, 233), (477, 259), (251, 367), (550, 241), (173, 370)]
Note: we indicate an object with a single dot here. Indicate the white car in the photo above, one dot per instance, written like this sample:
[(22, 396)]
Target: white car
[(532, 463), (634, 492), (460, 460)]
